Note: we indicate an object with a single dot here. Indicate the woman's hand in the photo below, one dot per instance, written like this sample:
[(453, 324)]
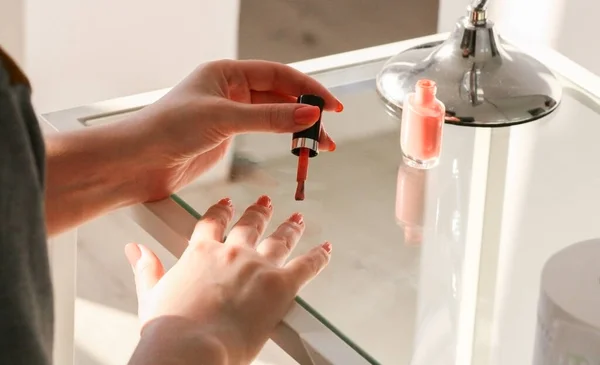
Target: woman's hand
[(231, 294), (157, 150), (189, 130)]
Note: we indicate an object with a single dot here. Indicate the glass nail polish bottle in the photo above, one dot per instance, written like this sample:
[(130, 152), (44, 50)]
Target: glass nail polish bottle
[(422, 126)]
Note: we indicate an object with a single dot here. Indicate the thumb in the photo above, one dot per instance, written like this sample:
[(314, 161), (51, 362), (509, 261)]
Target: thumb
[(278, 118), (147, 268)]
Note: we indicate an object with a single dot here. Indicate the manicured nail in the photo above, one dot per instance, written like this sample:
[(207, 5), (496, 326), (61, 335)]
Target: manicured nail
[(146, 254), (307, 114), (340, 107), (332, 146), (226, 201), (264, 201), (297, 218), (134, 254), (327, 247)]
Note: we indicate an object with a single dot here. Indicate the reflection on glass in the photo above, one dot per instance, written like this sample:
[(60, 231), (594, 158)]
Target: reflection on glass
[(410, 203), (568, 326), (441, 265)]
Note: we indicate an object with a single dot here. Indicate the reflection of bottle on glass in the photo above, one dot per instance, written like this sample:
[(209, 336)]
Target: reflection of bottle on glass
[(421, 128), (410, 203), (440, 287)]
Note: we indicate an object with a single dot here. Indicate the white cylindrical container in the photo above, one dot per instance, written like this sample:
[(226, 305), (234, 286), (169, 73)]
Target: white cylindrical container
[(568, 330)]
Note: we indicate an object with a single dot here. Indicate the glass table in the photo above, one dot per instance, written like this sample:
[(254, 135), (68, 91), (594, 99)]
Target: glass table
[(461, 264)]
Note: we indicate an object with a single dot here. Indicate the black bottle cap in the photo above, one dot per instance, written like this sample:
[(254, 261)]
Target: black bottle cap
[(309, 138)]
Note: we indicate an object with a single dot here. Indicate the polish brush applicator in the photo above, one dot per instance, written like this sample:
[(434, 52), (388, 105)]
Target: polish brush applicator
[(305, 144)]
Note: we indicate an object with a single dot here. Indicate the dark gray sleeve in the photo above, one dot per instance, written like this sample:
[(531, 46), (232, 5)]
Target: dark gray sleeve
[(26, 311)]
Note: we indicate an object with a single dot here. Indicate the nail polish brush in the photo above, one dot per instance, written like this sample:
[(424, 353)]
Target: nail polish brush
[(305, 144)]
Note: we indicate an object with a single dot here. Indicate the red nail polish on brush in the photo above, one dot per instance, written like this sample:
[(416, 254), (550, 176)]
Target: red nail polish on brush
[(305, 144)]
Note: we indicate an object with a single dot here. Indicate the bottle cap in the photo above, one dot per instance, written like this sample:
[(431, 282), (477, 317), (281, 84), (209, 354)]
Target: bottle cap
[(309, 138)]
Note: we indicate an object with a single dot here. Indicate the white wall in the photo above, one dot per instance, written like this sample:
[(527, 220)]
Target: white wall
[(569, 26), (578, 35), (12, 28), (79, 51), (449, 12)]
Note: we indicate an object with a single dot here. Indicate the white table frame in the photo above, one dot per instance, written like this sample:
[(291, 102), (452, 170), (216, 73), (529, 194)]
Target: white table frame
[(300, 334)]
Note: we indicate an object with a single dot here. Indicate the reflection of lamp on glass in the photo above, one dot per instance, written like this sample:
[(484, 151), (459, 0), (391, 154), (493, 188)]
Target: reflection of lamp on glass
[(482, 80), (568, 329), (410, 203)]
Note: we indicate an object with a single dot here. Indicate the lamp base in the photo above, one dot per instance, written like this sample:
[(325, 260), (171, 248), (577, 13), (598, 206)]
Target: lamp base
[(482, 80)]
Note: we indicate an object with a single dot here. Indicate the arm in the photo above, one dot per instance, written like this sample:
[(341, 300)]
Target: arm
[(90, 172), (175, 341)]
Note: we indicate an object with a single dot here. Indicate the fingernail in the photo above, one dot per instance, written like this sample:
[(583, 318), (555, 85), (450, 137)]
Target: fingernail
[(327, 247), (340, 107), (297, 218), (307, 115), (264, 201), (226, 201), (145, 255), (332, 146), (133, 253)]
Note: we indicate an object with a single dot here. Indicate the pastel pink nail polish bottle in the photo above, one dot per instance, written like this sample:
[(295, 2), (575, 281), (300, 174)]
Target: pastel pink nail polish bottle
[(422, 126)]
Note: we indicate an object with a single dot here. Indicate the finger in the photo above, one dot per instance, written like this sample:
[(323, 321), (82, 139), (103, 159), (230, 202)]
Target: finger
[(273, 76), (270, 97), (252, 224), (277, 118), (214, 222), (326, 143), (304, 268), (277, 247), (274, 117), (147, 268)]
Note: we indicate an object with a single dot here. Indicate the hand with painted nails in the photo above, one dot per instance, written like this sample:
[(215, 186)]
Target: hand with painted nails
[(223, 298), (190, 129), (157, 150)]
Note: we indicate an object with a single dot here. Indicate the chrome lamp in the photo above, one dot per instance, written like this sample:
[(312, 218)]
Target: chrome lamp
[(482, 80)]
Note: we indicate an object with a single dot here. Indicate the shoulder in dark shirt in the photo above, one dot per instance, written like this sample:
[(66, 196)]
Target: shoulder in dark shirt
[(26, 310)]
